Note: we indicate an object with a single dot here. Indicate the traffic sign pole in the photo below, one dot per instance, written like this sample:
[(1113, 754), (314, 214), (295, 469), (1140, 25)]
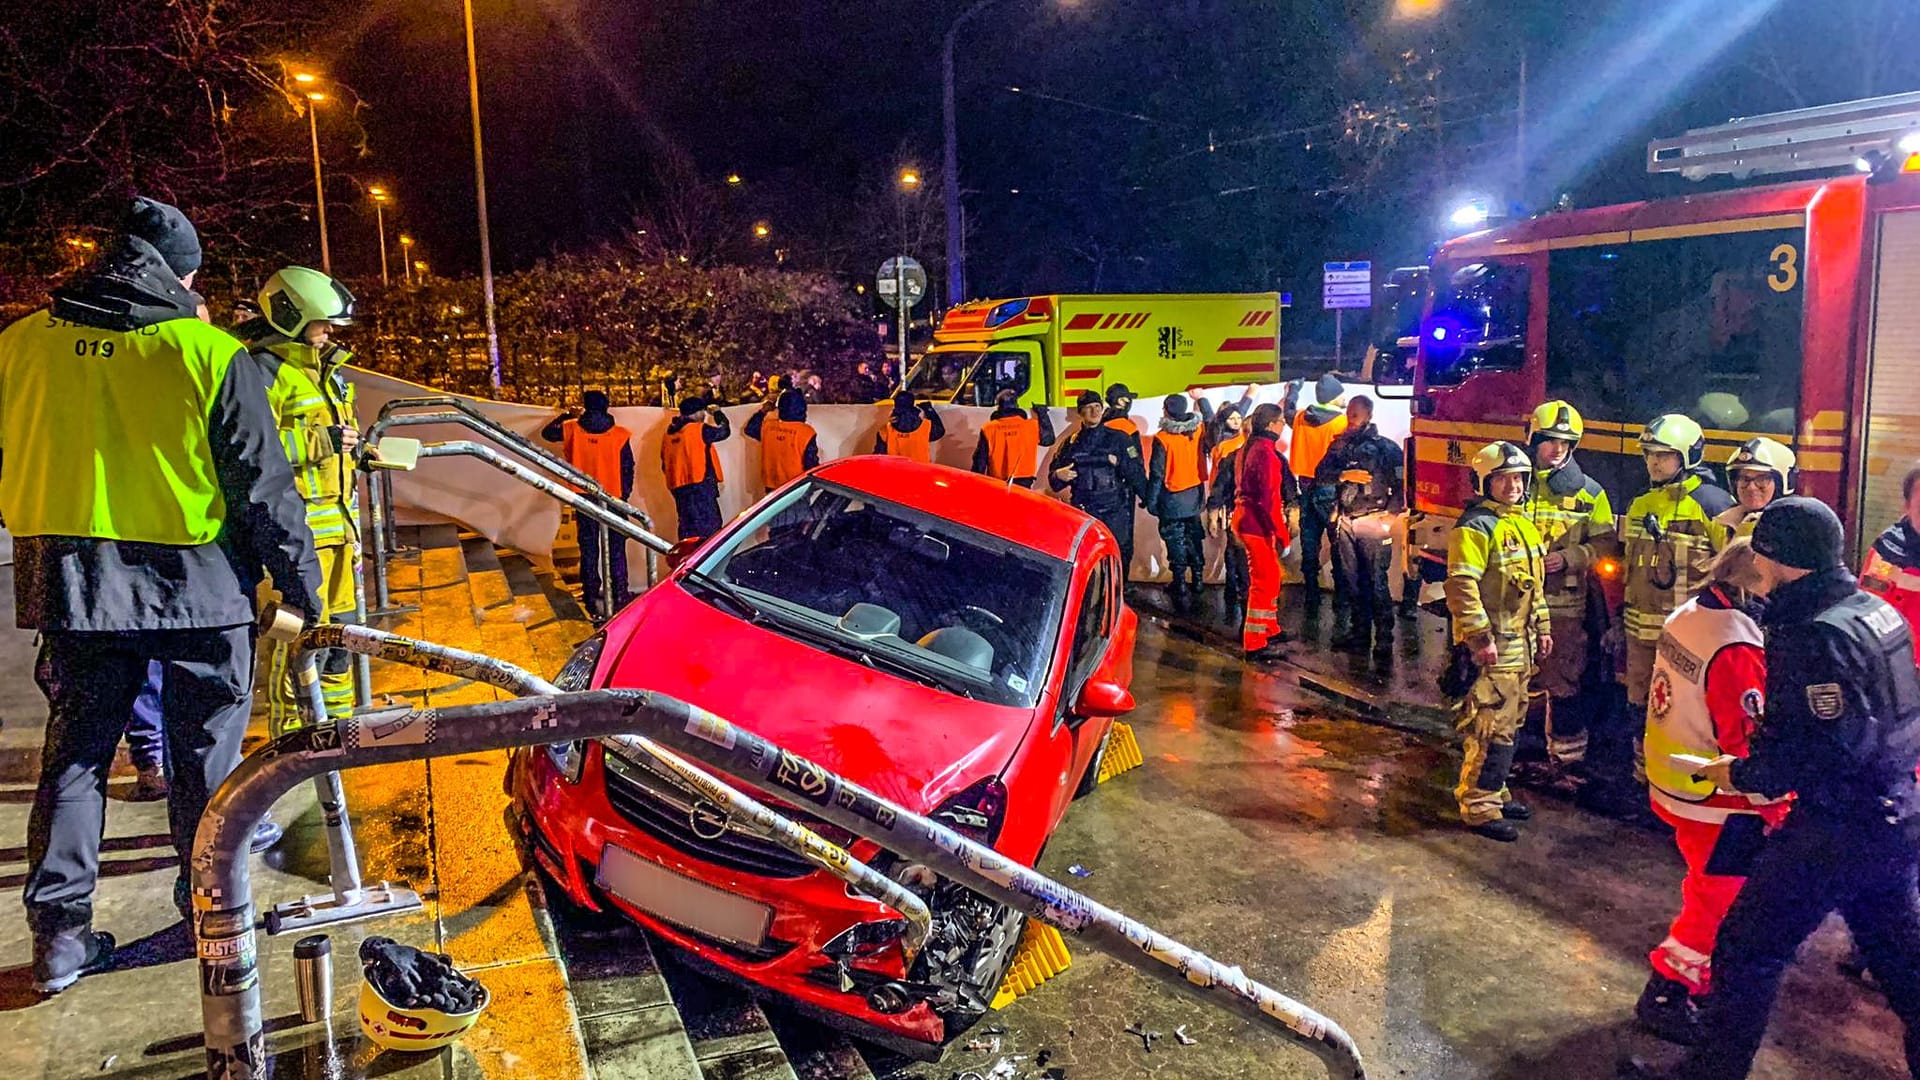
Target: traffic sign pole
[(904, 307)]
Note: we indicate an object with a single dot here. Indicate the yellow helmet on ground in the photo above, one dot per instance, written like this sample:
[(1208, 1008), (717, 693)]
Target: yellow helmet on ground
[(1765, 455), (1678, 434), (1555, 420), (297, 296), (1496, 458), (394, 1028)]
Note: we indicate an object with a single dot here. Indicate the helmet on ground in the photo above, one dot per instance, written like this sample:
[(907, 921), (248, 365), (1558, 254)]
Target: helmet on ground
[(297, 296), (1765, 455), (1555, 420), (393, 1028), (1678, 434), (1496, 458)]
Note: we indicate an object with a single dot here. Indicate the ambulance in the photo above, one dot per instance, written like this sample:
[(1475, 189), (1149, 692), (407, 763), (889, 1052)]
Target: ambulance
[(1050, 348)]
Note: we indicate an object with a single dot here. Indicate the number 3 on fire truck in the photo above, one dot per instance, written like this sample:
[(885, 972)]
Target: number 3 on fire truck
[(1786, 268)]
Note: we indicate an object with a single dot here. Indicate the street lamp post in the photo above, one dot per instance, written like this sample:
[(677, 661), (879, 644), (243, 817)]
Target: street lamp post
[(314, 98), (480, 190), (950, 169), (406, 256), (380, 225)]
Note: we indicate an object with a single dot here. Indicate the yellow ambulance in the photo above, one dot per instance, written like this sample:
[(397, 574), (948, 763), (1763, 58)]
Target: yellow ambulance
[(1050, 348)]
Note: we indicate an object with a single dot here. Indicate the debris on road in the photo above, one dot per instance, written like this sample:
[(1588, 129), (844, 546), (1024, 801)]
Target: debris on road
[(1180, 1036), (1079, 871), (1147, 1038)]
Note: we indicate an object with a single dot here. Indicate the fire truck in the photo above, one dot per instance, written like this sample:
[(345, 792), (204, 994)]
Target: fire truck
[(1790, 310)]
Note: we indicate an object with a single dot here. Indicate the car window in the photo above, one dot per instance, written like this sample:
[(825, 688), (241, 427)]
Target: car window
[(899, 590), (1093, 628)]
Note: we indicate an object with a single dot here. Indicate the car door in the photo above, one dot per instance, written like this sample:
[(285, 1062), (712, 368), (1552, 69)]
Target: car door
[(1093, 634)]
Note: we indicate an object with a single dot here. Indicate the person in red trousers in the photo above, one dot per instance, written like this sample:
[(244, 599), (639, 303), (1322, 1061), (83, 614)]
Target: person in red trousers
[(1260, 521), (1707, 693)]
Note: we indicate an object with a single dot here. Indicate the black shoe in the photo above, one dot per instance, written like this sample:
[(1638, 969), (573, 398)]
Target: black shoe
[(1273, 651), (1517, 811), (1666, 1009), (265, 835), (1499, 829), (1383, 646), (60, 959)]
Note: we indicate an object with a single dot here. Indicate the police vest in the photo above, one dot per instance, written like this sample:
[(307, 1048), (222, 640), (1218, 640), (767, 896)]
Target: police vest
[(915, 445), (1013, 447), (1664, 572), (1183, 459), (1739, 521), (106, 431), (596, 454), (1874, 628), (1678, 718), (684, 456), (310, 397), (783, 450)]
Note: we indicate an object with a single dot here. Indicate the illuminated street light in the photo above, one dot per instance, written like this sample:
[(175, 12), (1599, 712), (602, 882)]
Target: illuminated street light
[(314, 98), (910, 178), (304, 77), (406, 255), (733, 179), (762, 230), (1417, 9)]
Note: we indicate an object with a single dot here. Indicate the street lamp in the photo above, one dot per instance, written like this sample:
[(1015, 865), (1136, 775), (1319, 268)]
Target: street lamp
[(420, 268), (314, 98), (380, 198), (733, 179), (406, 255), (480, 191), (910, 178), (762, 230)]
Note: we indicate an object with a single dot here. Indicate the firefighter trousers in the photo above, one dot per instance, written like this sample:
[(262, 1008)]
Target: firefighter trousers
[(1261, 624), (1563, 676), (339, 563), (1490, 716), (1686, 956)]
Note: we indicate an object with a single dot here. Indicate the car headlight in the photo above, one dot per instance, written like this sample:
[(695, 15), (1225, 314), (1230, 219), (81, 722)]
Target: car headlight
[(574, 675), (977, 812)]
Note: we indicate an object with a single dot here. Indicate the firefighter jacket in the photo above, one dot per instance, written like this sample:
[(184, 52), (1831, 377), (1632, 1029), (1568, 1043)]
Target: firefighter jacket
[(1363, 467), (1892, 571), (1010, 442), (1314, 429), (1708, 692), (1176, 479), (1575, 518), (686, 453), (1493, 583), (1670, 541), (312, 401), (1107, 473), (1738, 521), (1842, 729), (141, 478)]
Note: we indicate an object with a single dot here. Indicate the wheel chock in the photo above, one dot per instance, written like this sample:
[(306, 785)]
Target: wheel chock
[(1123, 753), (1042, 955)]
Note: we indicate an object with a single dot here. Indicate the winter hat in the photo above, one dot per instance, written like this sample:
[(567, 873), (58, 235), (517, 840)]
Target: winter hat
[(1176, 406), (1801, 533), (690, 406), (594, 400), (1090, 397), (169, 231), (1328, 389)]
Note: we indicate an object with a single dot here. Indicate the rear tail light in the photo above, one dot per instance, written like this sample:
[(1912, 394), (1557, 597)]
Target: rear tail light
[(977, 812)]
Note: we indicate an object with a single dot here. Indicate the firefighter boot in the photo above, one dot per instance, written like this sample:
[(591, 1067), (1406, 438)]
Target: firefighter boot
[(59, 959), (1666, 1009)]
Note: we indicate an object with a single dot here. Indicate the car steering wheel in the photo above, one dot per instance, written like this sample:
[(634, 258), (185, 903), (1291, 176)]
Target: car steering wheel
[(974, 609)]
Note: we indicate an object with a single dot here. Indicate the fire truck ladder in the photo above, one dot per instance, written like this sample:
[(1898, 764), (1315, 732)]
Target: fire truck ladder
[(1798, 140)]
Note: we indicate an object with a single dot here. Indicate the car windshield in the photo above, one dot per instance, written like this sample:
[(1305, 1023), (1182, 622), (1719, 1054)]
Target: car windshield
[(938, 374), (917, 596)]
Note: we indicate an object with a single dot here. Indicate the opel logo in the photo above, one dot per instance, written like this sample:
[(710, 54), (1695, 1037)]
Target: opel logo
[(708, 821)]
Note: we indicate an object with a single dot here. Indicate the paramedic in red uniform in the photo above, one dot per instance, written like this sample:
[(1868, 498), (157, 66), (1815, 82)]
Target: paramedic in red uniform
[(1010, 440), (1260, 522), (691, 467)]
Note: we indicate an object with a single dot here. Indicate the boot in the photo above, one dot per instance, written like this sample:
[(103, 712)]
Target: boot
[(1666, 1009), (60, 959), (1383, 642), (152, 784), (1273, 651), (1498, 829), (1517, 811)]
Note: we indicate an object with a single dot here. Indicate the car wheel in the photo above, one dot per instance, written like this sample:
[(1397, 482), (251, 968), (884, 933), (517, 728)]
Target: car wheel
[(1012, 924), (1091, 778)]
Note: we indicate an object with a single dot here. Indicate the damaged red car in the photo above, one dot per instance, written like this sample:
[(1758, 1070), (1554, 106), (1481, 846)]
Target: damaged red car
[(956, 645)]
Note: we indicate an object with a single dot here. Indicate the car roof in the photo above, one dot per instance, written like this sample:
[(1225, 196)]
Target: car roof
[(995, 507)]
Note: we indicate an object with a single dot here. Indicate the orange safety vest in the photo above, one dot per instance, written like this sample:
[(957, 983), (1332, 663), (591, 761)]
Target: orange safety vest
[(1310, 443), (1228, 448), (1013, 447), (915, 445), (597, 455), (783, 448), (684, 456), (1185, 470)]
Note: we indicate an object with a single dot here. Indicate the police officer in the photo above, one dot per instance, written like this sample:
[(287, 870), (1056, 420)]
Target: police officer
[(1118, 417), (146, 491), (1761, 471), (1495, 562), (1362, 467), (1575, 519), (1101, 466), (1842, 733)]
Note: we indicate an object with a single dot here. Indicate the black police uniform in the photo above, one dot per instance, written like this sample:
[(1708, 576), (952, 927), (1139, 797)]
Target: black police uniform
[(1108, 479), (1363, 557), (1841, 731)]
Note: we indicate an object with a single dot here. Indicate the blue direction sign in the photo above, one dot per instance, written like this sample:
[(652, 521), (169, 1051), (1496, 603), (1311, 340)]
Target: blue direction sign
[(1346, 285)]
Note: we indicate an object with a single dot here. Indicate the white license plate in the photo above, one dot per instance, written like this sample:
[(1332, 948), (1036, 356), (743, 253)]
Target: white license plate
[(681, 900)]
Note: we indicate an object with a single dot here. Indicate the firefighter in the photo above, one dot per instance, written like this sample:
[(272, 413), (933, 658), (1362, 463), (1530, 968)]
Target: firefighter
[(599, 446), (1010, 440), (1260, 524), (1761, 471), (691, 467), (1314, 429), (1362, 467), (146, 494), (1223, 467), (1119, 405), (911, 430), (1892, 571), (1842, 734), (1495, 565), (1101, 467), (1176, 494), (1575, 519), (788, 444), (313, 403), (1707, 695), (1670, 541)]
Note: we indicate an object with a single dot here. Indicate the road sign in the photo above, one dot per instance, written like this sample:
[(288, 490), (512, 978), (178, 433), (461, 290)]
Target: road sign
[(1346, 285), (901, 274)]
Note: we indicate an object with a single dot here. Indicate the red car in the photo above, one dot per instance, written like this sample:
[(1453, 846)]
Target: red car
[(954, 644)]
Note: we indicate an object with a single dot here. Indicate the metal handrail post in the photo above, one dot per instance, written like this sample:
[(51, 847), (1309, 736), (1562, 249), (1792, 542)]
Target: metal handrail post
[(465, 416)]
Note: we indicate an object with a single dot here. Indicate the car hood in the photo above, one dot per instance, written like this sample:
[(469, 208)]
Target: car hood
[(911, 744)]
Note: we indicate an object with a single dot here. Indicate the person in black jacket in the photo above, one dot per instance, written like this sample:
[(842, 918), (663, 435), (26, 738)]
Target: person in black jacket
[(1102, 467), (1177, 493), (147, 492), (1841, 732), (1363, 469)]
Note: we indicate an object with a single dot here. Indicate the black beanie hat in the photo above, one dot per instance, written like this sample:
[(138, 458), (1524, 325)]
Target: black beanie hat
[(594, 400), (1090, 397), (1801, 533), (691, 405), (169, 231), (1117, 392), (1176, 406)]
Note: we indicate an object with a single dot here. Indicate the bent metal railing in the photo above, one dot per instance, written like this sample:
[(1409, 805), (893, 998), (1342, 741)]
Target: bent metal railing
[(223, 920)]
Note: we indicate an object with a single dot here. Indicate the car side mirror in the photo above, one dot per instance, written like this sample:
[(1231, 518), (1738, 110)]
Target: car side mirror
[(1099, 697), (679, 552)]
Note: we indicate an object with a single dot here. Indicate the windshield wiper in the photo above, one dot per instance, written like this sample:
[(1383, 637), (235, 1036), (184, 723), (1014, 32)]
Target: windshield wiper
[(743, 607)]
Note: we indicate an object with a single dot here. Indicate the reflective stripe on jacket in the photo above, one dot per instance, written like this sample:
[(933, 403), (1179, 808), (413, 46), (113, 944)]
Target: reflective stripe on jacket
[(1575, 518), (1493, 583), (1663, 573), (310, 396)]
